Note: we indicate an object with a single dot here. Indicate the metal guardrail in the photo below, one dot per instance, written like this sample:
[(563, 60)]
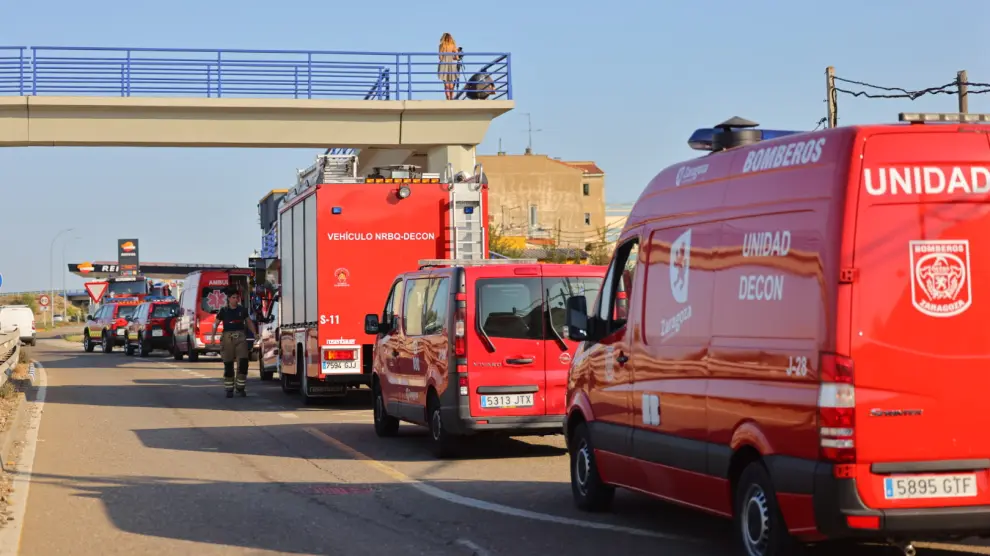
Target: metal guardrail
[(10, 353), (186, 72)]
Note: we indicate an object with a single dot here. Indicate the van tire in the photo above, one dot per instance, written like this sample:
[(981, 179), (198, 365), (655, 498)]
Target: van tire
[(591, 494), (191, 352), (385, 424), (443, 444), (176, 354), (106, 343), (88, 345), (129, 348), (759, 525)]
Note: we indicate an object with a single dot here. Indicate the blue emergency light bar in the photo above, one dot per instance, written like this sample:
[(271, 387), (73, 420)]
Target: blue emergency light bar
[(160, 298), (702, 139), (121, 300)]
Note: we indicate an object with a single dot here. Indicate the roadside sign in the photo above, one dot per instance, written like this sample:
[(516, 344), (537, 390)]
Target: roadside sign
[(44, 300), (96, 290)]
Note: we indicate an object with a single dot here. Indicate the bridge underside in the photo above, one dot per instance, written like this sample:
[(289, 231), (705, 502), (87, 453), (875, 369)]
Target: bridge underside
[(414, 127)]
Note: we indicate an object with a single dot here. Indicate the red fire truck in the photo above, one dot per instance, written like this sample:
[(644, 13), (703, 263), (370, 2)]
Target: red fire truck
[(341, 242)]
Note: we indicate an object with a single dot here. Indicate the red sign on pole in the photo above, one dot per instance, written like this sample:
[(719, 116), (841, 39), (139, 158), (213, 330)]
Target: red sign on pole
[(43, 300), (96, 290)]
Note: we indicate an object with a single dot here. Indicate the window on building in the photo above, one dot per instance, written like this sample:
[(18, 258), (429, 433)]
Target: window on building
[(586, 187), (532, 216), (587, 219)]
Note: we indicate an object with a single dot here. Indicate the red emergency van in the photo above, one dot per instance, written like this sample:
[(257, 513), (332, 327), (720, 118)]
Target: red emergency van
[(804, 349), (501, 323), (203, 295)]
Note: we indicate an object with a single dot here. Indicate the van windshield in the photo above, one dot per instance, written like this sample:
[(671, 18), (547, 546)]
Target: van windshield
[(127, 288), (513, 307)]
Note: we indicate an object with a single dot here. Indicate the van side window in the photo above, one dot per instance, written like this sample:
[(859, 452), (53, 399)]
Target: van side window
[(435, 317), (614, 308), (390, 313), (412, 312), (511, 308)]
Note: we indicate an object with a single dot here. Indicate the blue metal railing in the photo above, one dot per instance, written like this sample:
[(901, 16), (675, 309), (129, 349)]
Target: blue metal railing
[(15, 70), (50, 70)]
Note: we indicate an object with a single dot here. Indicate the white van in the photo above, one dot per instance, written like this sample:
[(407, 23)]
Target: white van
[(20, 317)]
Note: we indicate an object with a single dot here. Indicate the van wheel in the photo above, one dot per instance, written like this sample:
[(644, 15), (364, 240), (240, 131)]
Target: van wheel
[(591, 494), (385, 424), (107, 343), (760, 527), (88, 344), (443, 442), (176, 354), (128, 348), (192, 353)]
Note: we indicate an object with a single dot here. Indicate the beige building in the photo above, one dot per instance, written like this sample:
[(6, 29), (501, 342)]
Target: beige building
[(543, 198)]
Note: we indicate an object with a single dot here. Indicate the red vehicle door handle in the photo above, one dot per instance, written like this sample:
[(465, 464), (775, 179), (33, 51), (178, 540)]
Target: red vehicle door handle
[(519, 360)]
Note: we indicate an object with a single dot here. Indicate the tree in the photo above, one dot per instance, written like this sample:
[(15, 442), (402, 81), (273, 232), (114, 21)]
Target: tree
[(598, 253), (498, 243)]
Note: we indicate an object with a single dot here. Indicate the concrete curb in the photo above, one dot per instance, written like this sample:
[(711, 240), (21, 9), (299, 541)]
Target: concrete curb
[(9, 435)]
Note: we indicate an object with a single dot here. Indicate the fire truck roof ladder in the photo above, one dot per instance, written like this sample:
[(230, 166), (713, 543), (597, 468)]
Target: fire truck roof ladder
[(467, 238)]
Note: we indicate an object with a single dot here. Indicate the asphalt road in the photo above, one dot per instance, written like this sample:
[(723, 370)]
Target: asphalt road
[(146, 456)]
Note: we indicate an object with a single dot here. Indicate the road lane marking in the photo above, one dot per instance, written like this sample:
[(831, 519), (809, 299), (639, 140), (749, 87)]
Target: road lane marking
[(10, 534), (288, 415), (474, 548), (483, 505)]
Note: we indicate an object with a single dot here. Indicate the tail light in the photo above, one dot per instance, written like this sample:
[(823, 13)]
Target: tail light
[(837, 409), (32, 325), (462, 384), (460, 326), (120, 323)]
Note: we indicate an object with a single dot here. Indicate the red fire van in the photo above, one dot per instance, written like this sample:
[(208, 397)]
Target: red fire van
[(804, 348)]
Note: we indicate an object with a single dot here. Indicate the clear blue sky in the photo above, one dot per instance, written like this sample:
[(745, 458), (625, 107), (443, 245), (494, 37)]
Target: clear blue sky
[(622, 83)]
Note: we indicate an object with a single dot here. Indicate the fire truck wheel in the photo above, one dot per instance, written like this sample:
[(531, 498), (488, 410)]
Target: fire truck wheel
[(265, 374), (107, 343), (385, 424), (145, 348)]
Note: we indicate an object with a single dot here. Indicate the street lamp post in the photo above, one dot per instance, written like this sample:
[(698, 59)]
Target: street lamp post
[(65, 294), (51, 275)]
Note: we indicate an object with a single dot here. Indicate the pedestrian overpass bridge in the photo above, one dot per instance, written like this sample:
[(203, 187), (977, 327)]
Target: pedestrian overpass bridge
[(390, 106)]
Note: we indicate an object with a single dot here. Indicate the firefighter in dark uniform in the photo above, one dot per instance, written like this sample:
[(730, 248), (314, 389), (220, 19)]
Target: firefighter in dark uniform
[(233, 343)]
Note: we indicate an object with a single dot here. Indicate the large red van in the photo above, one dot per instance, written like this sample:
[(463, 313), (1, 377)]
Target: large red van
[(469, 347), (203, 295), (805, 349)]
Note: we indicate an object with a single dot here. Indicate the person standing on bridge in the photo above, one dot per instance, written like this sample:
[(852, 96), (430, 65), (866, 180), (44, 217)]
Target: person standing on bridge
[(447, 69), (233, 343)]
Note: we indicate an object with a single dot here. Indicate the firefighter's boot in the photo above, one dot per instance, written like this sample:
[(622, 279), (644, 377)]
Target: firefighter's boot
[(228, 378), (241, 379)]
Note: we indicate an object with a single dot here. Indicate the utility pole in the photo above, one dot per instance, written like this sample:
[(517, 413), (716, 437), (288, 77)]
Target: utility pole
[(961, 84), (830, 97)]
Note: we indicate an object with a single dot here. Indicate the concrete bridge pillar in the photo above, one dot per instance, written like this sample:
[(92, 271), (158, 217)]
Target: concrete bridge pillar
[(461, 156)]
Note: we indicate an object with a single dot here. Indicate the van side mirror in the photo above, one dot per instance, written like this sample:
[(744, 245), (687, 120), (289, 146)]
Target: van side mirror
[(576, 318), (371, 324)]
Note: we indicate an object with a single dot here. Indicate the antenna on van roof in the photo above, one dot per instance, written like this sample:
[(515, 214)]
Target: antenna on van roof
[(732, 133)]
